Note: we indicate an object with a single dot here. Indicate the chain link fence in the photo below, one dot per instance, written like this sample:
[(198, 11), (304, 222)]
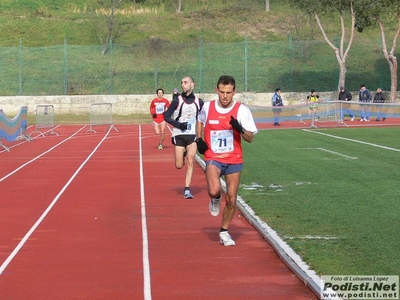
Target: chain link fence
[(141, 68)]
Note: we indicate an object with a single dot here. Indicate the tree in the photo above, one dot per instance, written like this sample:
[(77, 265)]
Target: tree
[(372, 14), (342, 7), (179, 8), (267, 5), (111, 24)]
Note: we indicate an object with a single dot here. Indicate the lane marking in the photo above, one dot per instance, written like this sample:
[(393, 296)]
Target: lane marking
[(145, 239), (311, 237), (330, 151), (37, 157), (355, 141), (45, 213)]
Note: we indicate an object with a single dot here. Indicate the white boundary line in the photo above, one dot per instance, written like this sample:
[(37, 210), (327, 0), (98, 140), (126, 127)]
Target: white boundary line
[(146, 263), (33, 159), (329, 151), (351, 140), (33, 228)]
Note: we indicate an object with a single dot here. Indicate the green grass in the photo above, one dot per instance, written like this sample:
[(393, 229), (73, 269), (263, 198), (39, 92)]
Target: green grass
[(320, 186)]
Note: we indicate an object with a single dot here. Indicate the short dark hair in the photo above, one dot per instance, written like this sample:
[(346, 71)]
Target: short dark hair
[(277, 89), (363, 85), (226, 80), (190, 77), (160, 89)]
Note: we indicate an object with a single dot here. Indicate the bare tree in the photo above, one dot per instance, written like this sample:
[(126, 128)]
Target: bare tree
[(111, 24), (373, 11), (179, 8), (267, 5), (317, 7)]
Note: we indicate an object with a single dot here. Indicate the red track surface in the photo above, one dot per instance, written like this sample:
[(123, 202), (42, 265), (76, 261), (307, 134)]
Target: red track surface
[(89, 244)]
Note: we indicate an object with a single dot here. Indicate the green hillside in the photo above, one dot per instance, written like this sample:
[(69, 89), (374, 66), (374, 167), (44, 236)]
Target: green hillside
[(48, 22), (55, 47)]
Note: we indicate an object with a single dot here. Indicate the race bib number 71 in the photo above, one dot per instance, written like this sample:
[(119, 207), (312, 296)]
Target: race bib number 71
[(221, 141)]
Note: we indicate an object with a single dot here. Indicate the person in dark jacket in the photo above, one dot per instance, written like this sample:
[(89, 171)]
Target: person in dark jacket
[(364, 97), (277, 104), (345, 95), (380, 98)]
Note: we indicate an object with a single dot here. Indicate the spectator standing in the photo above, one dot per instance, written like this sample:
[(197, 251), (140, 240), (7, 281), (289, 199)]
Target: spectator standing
[(182, 114), (157, 108), (312, 102), (345, 95), (380, 98), (364, 97), (277, 104), (224, 122)]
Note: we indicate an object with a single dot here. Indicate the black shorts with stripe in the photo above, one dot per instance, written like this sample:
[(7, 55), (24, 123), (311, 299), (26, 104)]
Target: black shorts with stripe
[(183, 139)]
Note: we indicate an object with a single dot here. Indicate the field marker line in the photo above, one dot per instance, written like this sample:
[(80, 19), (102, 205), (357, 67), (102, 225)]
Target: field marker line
[(145, 239), (351, 140), (33, 228), (330, 151), (37, 157)]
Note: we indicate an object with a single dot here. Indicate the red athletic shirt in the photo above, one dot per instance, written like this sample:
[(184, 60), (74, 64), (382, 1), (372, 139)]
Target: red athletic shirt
[(225, 143), (158, 106)]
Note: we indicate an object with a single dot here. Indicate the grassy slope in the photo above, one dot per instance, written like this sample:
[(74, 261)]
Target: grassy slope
[(49, 22), (82, 23)]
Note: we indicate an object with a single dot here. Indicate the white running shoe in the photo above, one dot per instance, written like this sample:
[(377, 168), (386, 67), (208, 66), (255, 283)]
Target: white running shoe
[(214, 206), (352, 119), (187, 194), (225, 239)]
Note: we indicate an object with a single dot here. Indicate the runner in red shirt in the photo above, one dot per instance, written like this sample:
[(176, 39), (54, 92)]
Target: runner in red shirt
[(224, 122), (157, 108)]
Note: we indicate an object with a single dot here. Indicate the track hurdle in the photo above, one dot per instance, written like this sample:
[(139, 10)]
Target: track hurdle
[(44, 120), (328, 110), (101, 114)]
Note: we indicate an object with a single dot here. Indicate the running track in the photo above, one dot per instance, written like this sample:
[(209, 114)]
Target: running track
[(101, 216)]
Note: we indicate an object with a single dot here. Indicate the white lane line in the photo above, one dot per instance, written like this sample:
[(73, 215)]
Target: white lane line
[(33, 228), (337, 153), (146, 263), (330, 151), (355, 141), (37, 157)]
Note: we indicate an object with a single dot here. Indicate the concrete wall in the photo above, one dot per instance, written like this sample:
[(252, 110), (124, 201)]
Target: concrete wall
[(131, 104)]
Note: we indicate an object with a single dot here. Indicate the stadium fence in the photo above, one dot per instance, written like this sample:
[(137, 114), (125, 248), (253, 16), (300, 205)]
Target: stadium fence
[(293, 65)]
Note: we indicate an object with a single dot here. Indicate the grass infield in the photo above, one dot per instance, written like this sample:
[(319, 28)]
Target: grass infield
[(332, 195)]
